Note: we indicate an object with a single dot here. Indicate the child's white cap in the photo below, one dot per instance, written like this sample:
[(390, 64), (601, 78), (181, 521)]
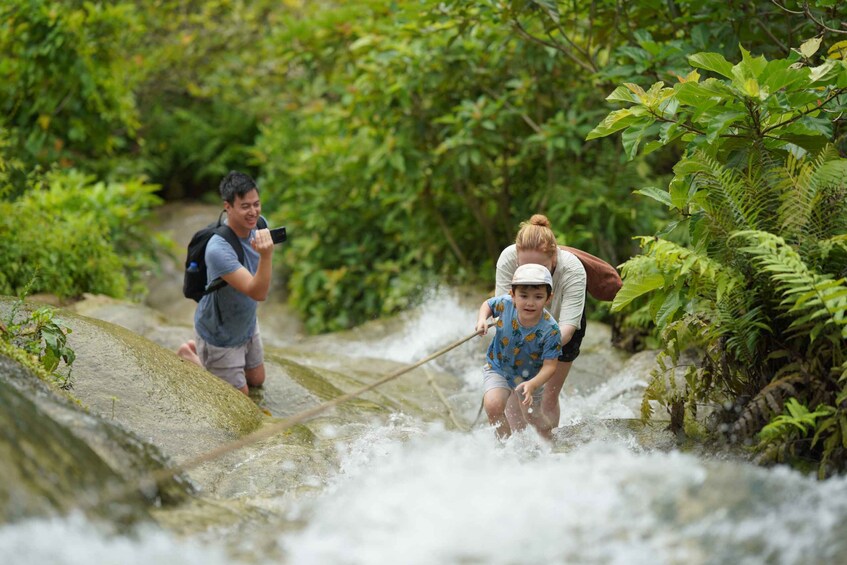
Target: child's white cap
[(532, 274)]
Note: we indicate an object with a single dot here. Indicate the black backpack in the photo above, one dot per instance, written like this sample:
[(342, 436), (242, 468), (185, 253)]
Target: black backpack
[(194, 282)]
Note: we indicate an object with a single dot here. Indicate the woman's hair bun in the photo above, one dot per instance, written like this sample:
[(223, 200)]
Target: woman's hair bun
[(539, 220)]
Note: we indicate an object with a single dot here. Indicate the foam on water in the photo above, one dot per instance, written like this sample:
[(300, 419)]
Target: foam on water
[(446, 497), (441, 319), (73, 540)]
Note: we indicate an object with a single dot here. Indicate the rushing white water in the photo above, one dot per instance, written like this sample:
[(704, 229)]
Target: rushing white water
[(445, 497), (408, 492), (76, 541), (412, 494)]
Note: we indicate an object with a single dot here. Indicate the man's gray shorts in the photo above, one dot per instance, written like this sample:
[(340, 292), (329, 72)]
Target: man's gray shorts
[(491, 379), (229, 363)]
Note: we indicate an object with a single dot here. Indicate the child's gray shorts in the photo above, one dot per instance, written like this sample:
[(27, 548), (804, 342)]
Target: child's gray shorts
[(491, 379)]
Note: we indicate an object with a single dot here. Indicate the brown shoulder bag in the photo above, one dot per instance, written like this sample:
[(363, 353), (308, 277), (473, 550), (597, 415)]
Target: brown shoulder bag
[(603, 280)]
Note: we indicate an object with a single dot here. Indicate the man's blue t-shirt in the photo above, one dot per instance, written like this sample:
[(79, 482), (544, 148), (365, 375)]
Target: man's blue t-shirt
[(518, 351), (227, 317)]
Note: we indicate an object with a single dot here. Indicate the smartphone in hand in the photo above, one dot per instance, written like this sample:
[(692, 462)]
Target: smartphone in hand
[(278, 235)]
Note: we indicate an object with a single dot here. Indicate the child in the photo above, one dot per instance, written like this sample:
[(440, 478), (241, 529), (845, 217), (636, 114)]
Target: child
[(524, 352)]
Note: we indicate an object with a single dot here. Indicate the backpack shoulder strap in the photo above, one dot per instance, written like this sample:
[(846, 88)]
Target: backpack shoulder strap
[(226, 232)]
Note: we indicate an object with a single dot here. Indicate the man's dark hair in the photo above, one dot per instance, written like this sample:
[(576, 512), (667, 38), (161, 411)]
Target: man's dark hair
[(236, 184)]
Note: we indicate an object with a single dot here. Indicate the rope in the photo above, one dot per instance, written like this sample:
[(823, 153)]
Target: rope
[(168, 472), (443, 399)]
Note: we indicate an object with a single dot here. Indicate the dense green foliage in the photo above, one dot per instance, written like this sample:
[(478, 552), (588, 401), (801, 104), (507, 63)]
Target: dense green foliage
[(70, 234), (414, 150), (756, 282), (66, 93), (402, 143)]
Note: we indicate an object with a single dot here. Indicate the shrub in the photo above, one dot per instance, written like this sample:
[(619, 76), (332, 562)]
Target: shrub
[(74, 235)]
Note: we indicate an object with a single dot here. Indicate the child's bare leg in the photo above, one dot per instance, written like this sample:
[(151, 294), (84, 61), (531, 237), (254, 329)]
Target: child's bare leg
[(514, 413), (188, 351), (495, 401)]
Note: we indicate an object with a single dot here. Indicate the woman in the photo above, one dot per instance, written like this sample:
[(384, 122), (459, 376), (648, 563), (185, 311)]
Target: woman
[(536, 243)]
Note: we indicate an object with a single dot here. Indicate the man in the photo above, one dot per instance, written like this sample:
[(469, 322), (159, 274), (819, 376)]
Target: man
[(227, 341)]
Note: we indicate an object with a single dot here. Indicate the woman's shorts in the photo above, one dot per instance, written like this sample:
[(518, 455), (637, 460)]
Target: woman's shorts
[(570, 350)]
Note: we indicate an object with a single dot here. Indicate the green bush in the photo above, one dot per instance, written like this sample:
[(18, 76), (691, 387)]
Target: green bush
[(66, 94), (74, 235), (756, 289)]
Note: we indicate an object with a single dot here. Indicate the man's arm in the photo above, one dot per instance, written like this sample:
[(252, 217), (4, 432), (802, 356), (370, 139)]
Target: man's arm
[(255, 286)]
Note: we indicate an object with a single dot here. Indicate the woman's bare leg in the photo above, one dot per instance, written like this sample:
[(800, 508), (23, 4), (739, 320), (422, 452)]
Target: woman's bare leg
[(552, 388)]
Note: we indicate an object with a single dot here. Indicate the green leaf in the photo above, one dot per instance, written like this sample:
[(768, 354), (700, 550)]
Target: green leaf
[(655, 193), (810, 46), (711, 62), (749, 67), (632, 289), (632, 136), (623, 94), (827, 71), (679, 193), (671, 305), (721, 123), (779, 75), (615, 121)]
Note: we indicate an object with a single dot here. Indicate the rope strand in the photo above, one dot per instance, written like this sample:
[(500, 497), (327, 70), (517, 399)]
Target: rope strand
[(168, 472)]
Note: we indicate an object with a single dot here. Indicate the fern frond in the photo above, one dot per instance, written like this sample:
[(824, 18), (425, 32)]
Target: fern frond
[(736, 199), (745, 327), (706, 277), (808, 209), (829, 212), (816, 303), (832, 255), (797, 195), (767, 402), (798, 420)]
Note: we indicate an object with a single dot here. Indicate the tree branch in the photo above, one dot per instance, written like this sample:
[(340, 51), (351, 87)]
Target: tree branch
[(822, 25), (834, 94), (784, 9), (526, 35)]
